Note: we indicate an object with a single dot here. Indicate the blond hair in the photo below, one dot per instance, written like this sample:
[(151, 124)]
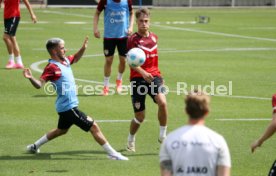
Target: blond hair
[(141, 11), (197, 104)]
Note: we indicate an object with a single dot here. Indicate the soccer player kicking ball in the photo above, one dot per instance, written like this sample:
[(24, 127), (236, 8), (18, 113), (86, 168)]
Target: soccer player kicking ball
[(59, 72), (146, 79)]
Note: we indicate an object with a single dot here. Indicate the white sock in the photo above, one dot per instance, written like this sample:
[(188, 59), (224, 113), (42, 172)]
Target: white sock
[(106, 81), (120, 76), (18, 59), (107, 147), (163, 131), (11, 57), (41, 141), (131, 137)]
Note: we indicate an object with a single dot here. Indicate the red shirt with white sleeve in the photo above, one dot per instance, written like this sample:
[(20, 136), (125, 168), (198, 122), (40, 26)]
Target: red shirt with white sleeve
[(52, 72), (149, 46)]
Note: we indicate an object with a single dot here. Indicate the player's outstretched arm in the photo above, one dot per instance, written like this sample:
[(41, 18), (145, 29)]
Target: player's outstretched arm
[(270, 130), (79, 54), (36, 83), (26, 2)]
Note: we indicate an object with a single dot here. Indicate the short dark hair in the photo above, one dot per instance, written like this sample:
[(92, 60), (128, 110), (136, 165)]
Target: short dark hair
[(52, 43), (141, 11), (197, 104)]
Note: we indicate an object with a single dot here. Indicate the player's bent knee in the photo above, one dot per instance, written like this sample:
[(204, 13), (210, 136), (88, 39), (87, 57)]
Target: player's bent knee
[(62, 132), (138, 121), (95, 128), (162, 104)]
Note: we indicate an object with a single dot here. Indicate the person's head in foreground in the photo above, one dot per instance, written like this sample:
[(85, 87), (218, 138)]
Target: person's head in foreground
[(197, 105)]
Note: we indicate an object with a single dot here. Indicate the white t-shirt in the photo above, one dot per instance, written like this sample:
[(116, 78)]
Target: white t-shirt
[(195, 150)]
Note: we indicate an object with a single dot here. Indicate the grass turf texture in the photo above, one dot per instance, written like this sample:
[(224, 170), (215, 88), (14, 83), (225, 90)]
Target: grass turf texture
[(192, 53)]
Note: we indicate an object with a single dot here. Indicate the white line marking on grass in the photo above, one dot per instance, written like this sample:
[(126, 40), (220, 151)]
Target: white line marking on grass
[(93, 55), (67, 14), (215, 33), (173, 50), (35, 66), (257, 28), (219, 50), (75, 22), (113, 121), (235, 96), (31, 29), (29, 22), (243, 119)]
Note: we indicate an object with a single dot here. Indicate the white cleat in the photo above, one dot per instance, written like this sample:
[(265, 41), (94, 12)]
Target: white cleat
[(117, 156), (130, 146), (32, 149)]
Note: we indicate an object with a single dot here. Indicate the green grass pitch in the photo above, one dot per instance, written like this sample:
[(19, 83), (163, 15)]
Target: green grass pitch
[(237, 46)]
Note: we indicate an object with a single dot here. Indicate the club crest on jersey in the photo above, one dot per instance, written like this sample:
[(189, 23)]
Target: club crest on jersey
[(137, 105), (106, 52)]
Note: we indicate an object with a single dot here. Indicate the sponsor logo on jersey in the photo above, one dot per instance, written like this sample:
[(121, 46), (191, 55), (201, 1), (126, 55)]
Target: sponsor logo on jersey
[(196, 170)]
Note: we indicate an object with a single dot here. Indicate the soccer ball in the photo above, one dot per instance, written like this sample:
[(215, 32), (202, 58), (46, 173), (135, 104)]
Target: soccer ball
[(136, 57)]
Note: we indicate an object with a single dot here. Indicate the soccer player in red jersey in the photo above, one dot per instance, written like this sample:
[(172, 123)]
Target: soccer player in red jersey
[(11, 21), (146, 79)]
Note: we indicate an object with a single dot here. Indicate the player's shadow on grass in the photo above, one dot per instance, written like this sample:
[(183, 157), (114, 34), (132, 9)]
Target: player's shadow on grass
[(135, 154), (66, 155), (71, 155)]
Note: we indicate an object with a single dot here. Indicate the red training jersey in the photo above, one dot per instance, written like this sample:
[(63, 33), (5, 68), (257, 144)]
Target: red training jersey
[(149, 46), (274, 103), (11, 8), (52, 72)]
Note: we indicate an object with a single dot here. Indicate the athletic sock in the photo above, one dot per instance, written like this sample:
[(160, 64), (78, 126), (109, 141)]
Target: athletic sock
[(120, 76), (107, 147), (106, 81), (11, 57), (18, 60), (41, 141), (131, 137), (163, 131)]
